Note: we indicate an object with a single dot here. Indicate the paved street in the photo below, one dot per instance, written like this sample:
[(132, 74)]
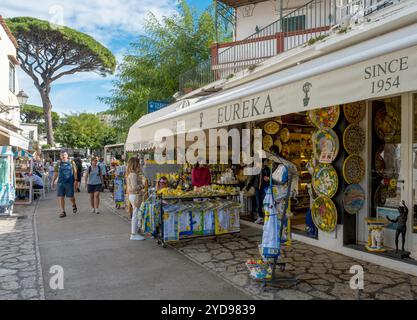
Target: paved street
[(20, 276), (100, 262)]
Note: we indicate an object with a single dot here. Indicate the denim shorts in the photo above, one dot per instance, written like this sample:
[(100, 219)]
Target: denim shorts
[(93, 188), (65, 190)]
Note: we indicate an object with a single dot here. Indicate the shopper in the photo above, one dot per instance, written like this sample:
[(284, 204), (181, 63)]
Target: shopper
[(200, 176), (94, 182), (135, 191), (65, 171), (50, 169), (78, 178)]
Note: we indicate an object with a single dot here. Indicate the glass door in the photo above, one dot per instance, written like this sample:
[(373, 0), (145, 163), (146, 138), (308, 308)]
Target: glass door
[(389, 170), (414, 166)]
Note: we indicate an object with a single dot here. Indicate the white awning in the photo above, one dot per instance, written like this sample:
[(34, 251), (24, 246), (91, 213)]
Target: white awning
[(382, 66)]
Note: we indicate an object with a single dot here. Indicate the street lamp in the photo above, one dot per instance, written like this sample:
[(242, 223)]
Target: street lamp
[(22, 98)]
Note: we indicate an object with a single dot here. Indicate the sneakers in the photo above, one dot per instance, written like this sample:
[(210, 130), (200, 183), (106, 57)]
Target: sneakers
[(97, 211), (93, 210), (136, 237), (259, 220)]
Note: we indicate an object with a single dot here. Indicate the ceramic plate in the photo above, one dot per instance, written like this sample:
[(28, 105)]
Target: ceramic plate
[(286, 150), (387, 124), (354, 198), (278, 143), (284, 135), (354, 139), (268, 142), (325, 145), (325, 117), (355, 111), (353, 169), (324, 214), (325, 180), (271, 127)]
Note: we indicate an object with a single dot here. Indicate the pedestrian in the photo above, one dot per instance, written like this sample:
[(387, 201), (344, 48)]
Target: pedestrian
[(94, 182), (78, 178), (65, 171), (135, 190), (103, 169), (50, 169)]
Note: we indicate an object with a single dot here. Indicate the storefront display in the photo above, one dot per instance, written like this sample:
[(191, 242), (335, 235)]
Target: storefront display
[(324, 214), (354, 139), (355, 112), (326, 145), (353, 169), (325, 180), (376, 233), (353, 199), (7, 180), (325, 117)]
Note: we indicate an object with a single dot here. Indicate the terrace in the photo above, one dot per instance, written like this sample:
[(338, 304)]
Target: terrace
[(299, 22)]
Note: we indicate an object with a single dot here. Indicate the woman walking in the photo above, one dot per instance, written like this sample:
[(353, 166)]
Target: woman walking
[(135, 191), (94, 182)]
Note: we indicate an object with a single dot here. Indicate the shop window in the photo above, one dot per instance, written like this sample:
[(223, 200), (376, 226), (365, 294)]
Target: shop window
[(414, 146), (386, 175)]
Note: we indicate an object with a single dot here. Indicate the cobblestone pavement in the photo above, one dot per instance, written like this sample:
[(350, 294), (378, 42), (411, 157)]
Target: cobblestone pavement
[(322, 274), (20, 275)]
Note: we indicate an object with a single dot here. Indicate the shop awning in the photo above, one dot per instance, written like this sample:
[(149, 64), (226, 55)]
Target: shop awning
[(382, 66), (23, 154)]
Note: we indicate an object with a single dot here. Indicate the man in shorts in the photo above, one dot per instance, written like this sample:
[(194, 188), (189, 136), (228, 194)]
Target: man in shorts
[(66, 172)]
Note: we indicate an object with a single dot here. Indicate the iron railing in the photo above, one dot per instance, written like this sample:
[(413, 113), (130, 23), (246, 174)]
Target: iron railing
[(307, 23)]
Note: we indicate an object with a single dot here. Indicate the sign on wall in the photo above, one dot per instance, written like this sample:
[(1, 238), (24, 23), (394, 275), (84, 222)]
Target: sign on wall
[(155, 105)]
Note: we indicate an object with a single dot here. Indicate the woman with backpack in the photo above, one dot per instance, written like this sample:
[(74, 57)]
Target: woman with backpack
[(94, 182)]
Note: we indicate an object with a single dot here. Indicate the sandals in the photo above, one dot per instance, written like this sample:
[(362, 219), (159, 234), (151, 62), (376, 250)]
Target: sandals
[(63, 215), (74, 209)]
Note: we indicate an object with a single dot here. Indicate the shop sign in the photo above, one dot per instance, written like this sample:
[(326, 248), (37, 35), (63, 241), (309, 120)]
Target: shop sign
[(154, 105)]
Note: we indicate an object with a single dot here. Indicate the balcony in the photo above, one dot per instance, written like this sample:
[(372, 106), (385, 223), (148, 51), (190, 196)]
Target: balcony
[(307, 23)]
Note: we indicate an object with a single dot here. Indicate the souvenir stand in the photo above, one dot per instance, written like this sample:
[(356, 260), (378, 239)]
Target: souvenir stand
[(24, 188), (176, 213), (7, 180), (276, 230)]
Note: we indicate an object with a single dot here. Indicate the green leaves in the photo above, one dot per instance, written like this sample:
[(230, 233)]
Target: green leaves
[(63, 40), (85, 130), (35, 114), (151, 69)]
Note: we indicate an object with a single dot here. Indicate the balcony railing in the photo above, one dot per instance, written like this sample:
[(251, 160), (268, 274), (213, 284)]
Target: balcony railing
[(304, 24)]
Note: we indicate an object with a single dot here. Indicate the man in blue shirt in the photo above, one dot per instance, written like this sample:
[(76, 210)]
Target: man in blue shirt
[(66, 172)]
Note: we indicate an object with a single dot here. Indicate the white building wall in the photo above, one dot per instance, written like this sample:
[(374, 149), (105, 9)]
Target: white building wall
[(7, 97)]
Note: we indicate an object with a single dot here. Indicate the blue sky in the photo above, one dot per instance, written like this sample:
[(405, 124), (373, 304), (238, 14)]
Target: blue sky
[(115, 23)]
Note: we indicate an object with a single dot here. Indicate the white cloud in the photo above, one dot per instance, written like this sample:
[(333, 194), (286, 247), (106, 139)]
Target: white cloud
[(102, 19)]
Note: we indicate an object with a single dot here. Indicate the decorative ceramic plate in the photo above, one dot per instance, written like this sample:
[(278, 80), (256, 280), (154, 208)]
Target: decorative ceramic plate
[(278, 143), (354, 139), (324, 214), (354, 198), (380, 196), (325, 145), (325, 117), (286, 150), (355, 111), (387, 124), (325, 180), (353, 169), (268, 142), (380, 162), (285, 135), (271, 127)]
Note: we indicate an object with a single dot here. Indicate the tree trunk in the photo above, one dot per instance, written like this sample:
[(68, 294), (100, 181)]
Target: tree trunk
[(47, 111)]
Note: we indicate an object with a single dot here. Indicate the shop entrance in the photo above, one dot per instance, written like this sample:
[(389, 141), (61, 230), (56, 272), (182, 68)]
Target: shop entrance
[(391, 166)]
